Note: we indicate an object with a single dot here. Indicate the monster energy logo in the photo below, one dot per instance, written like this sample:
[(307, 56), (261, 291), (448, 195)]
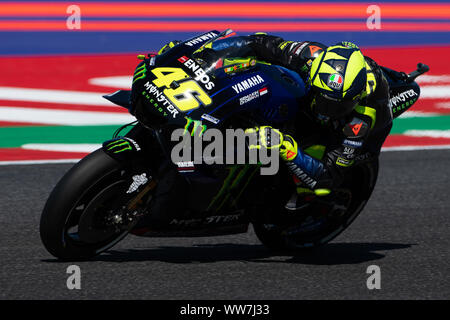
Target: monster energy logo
[(408, 98), (121, 145), (403, 106), (196, 125), (139, 73)]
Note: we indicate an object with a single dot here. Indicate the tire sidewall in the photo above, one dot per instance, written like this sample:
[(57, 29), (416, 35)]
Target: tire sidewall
[(69, 190)]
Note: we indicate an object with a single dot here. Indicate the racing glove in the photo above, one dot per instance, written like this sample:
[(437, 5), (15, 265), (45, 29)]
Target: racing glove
[(307, 169)]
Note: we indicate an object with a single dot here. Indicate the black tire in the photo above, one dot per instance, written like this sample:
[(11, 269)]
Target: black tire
[(272, 234), (96, 174)]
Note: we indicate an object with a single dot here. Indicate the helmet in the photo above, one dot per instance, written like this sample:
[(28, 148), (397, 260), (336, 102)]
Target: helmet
[(338, 80)]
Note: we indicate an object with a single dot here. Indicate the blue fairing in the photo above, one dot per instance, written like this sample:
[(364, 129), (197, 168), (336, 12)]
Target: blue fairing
[(273, 100), (238, 87), (269, 94)]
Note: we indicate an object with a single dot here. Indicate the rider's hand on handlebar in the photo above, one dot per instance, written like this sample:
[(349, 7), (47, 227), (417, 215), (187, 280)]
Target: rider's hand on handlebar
[(271, 138)]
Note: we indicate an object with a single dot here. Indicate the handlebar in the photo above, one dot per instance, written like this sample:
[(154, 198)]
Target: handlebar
[(421, 69)]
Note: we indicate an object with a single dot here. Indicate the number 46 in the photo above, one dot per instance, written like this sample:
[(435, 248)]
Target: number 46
[(187, 96)]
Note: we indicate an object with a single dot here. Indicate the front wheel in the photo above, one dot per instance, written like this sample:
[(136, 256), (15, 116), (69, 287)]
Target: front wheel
[(74, 223), (323, 219)]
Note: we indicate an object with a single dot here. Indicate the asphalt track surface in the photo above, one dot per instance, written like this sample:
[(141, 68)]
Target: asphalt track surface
[(404, 230)]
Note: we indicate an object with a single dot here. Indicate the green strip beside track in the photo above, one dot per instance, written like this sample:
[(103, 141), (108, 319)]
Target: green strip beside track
[(14, 137), (421, 123)]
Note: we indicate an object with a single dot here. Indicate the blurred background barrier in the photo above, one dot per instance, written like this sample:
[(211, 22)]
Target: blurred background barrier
[(58, 57)]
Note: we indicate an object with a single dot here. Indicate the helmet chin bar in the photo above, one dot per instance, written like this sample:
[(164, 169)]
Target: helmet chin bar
[(332, 108), (323, 118)]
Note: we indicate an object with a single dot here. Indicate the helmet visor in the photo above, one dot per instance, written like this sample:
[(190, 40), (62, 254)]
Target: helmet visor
[(333, 108)]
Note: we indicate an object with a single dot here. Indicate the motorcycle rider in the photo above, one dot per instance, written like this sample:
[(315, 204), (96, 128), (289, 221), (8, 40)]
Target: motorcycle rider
[(348, 101)]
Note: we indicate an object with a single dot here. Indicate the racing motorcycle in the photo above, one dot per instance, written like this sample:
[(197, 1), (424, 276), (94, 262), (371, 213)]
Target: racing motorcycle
[(131, 185)]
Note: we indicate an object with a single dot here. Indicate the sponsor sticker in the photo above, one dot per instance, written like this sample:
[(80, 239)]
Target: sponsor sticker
[(152, 60), (200, 74), (300, 174), (210, 118), (159, 99), (313, 50), (248, 84), (186, 166), (138, 180), (402, 97), (356, 128), (335, 81), (239, 67), (300, 47), (349, 152), (201, 39), (403, 100), (183, 59), (352, 143), (253, 95), (344, 162)]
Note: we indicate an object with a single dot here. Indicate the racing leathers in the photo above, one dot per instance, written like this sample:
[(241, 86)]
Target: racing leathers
[(347, 141)]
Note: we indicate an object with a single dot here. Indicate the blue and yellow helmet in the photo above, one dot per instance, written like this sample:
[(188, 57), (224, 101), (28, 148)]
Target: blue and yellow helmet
[(338, 79)]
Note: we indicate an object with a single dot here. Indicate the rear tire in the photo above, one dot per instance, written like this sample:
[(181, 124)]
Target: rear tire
[(272, 232), (91, 183)]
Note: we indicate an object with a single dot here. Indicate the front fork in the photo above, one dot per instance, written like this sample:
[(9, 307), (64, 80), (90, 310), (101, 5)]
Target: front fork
[(140, 153)]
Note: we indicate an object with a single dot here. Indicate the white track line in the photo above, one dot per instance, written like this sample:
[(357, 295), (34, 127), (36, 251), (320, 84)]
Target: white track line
[(427, 91), (428, 133), (384, 149), (122, 82), (95, 98), (434, 92), (54, 96), (62, 147), (63, 117), (433, 78), (415, 148), (27, 162), (418, 114), (443, 105)]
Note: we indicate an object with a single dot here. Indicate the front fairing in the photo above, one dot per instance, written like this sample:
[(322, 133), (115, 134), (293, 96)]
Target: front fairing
[(227, 85)]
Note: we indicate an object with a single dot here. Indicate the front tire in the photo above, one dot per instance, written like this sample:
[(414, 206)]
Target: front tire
[(94, 183)]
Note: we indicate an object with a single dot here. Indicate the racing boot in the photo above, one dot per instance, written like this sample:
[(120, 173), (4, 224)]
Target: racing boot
[(303, 196), (300, 199)]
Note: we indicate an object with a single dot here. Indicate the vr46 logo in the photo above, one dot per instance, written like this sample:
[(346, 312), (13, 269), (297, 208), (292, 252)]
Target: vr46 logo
[(185, 94)]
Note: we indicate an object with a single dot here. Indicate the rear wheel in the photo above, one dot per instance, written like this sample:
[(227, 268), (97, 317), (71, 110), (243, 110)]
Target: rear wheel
[(76, 222), (324, 218)]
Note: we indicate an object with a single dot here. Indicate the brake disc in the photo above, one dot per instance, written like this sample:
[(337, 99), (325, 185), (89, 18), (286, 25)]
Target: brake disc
[(92, 227)]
